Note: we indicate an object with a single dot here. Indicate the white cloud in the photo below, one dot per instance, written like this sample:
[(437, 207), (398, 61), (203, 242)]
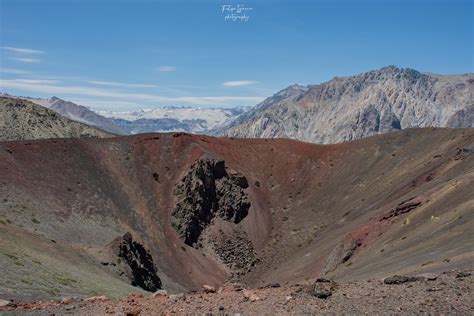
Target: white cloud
[(22, 50), (135, 97), (14, 71), (239, 83), (166, 68), (37, 81), (120, 84), (26, 60)]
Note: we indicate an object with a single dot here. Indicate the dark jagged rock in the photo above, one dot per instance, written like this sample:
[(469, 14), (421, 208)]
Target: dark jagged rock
[(322, 290), (465, 152), (323, 294), (349, 250), (402, 208), (323, 280), (273, 285), (206, 192), (143, 270)]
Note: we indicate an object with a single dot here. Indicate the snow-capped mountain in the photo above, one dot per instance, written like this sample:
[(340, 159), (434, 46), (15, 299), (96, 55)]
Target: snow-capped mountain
[(168, 119), (161, 119)]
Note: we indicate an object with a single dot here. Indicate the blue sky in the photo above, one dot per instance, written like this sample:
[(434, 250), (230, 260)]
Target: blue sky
[(124, 54)]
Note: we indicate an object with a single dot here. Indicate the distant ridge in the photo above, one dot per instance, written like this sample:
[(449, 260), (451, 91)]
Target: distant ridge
[(21, 120), (79, 113)]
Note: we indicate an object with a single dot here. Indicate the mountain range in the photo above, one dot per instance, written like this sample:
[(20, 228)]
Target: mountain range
[(342, 109), (172, 119), (371, 103), (195, 120)]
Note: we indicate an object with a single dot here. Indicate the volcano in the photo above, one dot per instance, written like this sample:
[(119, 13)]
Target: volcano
[(175, 211)]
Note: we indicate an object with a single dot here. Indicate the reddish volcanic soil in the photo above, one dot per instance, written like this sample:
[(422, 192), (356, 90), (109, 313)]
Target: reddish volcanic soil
[(399, 203)]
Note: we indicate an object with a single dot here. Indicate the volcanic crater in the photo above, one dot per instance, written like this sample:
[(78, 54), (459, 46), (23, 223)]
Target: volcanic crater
[(179, 211)]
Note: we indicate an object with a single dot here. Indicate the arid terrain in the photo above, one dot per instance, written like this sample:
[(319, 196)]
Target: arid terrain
[(22, 119), (236, 157), (430, 294), (136, 214)]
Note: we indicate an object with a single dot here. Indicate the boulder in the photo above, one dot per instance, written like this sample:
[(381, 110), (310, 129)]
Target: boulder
[(427, 276), (322, 288), (177, 297), (252, 297), (323, 280), (322, 294), (160, 293), (399, 279), (208, 289)]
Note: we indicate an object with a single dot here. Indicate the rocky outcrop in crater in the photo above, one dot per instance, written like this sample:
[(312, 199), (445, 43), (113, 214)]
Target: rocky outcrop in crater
[(137, 263), (208, 191)]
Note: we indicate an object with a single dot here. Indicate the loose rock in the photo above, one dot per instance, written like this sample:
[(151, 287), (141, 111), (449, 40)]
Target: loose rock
[(398, 279), (208, 289), (428, 276), (252, 297), (463, 274), (160, 293)]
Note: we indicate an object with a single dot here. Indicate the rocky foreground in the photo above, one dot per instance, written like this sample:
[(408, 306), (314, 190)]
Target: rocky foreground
[(448, 292)]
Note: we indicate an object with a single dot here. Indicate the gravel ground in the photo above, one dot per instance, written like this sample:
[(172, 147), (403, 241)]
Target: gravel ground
[(448, 293)]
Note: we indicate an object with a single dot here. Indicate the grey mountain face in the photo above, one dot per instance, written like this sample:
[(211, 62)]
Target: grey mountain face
[(81, 114), (348, 108)]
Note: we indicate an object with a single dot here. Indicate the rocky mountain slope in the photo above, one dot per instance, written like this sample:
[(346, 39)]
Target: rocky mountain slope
[(79, 113), (172, 119), (22, 119), (371, 103), (120, 218)]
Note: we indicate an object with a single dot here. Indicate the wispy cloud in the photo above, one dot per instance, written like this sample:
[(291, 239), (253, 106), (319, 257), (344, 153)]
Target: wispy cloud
[(14, 71), (136, 97), (22, 50), (166, 68), (239, 83), (121, 84), (25, 60), (37, 81)]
